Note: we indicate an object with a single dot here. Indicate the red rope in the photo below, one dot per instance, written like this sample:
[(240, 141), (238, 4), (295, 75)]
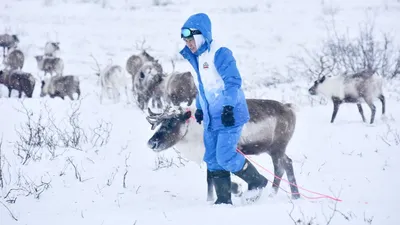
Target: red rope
[(313, 192)]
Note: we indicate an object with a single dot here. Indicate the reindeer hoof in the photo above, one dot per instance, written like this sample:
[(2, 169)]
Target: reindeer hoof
[(296, 196)]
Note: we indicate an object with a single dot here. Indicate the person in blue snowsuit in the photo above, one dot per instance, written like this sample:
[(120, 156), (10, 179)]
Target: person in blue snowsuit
[(221, 106)]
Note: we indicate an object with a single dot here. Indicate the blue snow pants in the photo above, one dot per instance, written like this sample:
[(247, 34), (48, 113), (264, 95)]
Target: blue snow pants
[(221, 148)]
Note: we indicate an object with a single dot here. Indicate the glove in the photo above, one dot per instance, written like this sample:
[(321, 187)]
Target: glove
[(227, 116), (199, 115)]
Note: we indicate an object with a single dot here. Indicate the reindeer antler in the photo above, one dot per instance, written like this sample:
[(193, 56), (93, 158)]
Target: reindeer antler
[(173, 65), (156, 118), (97, 64)]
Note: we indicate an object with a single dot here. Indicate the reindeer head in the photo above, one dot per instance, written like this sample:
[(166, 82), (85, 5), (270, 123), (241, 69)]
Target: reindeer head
[(172, 128), (314, 89), (149, 76), (56, 45), (39, 58), (15, 38)]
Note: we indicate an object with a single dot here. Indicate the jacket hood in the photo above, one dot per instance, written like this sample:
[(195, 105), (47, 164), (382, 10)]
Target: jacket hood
[(201, 22)]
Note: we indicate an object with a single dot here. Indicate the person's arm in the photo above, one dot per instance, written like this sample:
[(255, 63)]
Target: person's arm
[(225, 64), (198, 106)]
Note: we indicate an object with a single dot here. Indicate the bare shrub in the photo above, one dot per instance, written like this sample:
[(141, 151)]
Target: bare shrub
[(44, 132), (30, 135), (101, 133), (341, 54), (24, 186), (163, 162), (391, 136), (305, 220)]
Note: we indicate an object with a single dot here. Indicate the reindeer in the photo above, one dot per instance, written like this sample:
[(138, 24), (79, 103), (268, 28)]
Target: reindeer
[(365, 85), (51, 48), (145, 83), (50, 65), (18, 80), (269, 130), (178, 88), (61, 86), (8, 41), (174, 89), (15, 59), (135, 62), (112, 77)]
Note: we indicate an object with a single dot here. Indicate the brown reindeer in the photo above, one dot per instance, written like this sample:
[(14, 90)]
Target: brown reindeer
[(269, 130), (176, 88), (8, 41), (50, 65), (18, 80), (15, 60), (146, 82), (61, 86)]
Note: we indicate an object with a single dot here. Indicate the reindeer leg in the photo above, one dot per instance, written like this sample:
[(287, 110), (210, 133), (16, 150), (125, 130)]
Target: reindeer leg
[(141, 102), (78, 91), (279, 170), (382, 98), (373, 109), (127, 94), (336, 104), (360, 109), (287, 163), (19, 94), (9, 92), (118, 94)]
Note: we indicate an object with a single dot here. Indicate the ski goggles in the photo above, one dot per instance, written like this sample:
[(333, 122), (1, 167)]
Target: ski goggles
[(187, 33)]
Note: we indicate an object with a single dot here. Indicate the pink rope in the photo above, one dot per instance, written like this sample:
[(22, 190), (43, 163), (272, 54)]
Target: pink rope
[(313, 192)]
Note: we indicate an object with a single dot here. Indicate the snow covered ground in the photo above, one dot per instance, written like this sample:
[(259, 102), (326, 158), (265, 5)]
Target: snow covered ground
[(112, 177)]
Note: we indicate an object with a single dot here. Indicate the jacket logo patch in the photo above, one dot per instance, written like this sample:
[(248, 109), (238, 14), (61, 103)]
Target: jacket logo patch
[(205, 65)]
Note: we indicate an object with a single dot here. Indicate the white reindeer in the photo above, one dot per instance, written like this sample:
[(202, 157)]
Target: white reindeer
[(113, 78), (51, 48), (365, 85)]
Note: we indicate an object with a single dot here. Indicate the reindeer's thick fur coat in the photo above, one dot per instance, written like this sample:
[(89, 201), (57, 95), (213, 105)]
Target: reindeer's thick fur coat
[(354, 88), (145, 83), (61, 86), (135, 62), (8, 41), (51, 48), (18, 80), (15, 60), (50, 65), (177, 88), (112, 77)]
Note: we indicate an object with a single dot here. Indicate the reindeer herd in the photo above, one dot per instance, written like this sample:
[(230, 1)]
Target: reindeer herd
[(270, 129), (150, 84)]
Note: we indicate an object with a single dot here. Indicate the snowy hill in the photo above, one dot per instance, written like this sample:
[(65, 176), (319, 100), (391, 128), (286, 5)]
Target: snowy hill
[(102, 172)]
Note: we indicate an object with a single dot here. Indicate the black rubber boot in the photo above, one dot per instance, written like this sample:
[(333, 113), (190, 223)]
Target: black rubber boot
[(253, 178), (222, 184)]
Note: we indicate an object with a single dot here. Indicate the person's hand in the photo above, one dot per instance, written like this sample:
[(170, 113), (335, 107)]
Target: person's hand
[(227, 117), (199, 115)]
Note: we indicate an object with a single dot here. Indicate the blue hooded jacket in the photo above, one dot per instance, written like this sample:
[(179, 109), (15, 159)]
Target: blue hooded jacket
[(225, 64)]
